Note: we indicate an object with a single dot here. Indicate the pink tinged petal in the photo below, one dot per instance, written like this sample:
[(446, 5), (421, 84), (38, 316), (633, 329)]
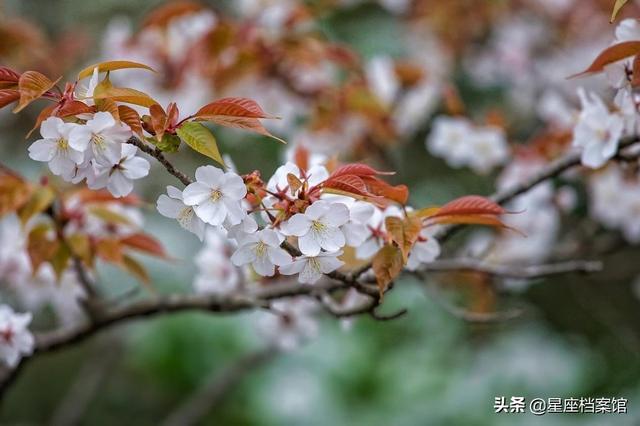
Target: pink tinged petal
[(42, 150), (245, 254), (196, 193), (128, 151), (49, 128), (317, 174), (198, 227), (119, 185), (355, 233), (233, 186), (169, 207), (337, 215), (135, 168), (117, 134), (593, 157), (330, 239), (79, 138), (263, 266), (212, 176), (101, 121), (107, 153), (298, 225), (99, 180), (60, 165), (329, 263), (317, 210), (211, 212), (294, 267), (309, 245), (174, 192), (76, 156), (278, 256)]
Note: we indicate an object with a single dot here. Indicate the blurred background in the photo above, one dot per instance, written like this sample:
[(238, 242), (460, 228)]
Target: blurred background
[(576, 335)]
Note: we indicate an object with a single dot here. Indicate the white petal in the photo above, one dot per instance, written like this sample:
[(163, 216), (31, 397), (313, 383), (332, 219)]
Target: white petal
[(317, 209), (294, 267), (270, 237), (196, 193), (297, 225), (174, 192), (119, 185), (210, 175), (337, 215), (329, 263), (42, 149), (211, 212), (245, 254), (309, 245), (330, 239), (234, 210), (79, 138), (169, 207), (49, 128), (278, 256), (233, 186), (135, 168), (101, 120), (263, 266), (309, 274)]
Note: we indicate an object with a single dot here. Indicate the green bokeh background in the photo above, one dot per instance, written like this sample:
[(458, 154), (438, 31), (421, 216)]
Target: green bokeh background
[(579, 335)]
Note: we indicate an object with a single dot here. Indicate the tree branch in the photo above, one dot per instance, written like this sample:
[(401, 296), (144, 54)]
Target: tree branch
[(158, 155)]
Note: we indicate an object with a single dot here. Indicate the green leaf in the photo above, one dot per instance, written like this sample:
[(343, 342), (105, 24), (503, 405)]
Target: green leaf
[(200, 139), (169, 143)]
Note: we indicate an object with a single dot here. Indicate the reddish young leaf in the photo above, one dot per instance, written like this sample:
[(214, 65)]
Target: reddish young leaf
[(294, 183), (32, 85), (7, 75), (251, 124), (358, 169), (112, 66), (74, 108), (158, 120), (110, 250), (486, 220), (8, 96), (610, 55), (135, 268), (398, 193), (387, 265), (233, 107), (145, 244), (14, 193), (131, 118), (161, 16), (470, 205), (348, 183)]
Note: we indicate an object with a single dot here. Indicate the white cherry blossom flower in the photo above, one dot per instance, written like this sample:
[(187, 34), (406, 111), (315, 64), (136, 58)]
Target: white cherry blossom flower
[(425, 250), (312, 268), (262, 250), (216, 196), (216, 273), (102, 135), (15, 338), (55, 149), (172, 206), (319, 227), (118, 178), (315, 175), (597, 132), (291, 323)]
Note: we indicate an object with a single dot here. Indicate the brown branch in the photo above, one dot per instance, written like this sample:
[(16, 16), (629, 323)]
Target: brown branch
[(158, 155), (207, 398)]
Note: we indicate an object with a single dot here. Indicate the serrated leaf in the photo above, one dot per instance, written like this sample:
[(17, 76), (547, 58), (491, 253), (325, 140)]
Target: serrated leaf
[(358, 169), (126, 95), (233, 107), (8, 96), (616, 8), (397, 193), (7, 75), (470, 205), (74, 108), (112, 66), (32, 85), (610, 55), (39, 201), (404, 232), (387, 265), (200, 139)]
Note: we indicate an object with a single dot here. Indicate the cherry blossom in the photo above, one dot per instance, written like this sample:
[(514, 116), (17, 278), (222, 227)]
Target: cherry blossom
[(597, 132), (103, 135), (319, 227), (425, 250), (172, 206), (118, 177), (216, 274), (312, 268), (314, 176), (15, 338), (291, 323), (216, 196), (55, 148), (262, 250)]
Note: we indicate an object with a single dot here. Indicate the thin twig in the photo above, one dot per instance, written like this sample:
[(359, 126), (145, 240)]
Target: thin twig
[(158, 155)]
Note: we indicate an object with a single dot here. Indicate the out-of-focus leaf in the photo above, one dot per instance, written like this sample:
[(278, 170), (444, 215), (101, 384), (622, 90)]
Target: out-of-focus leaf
[(161, 16), (387, 265), (616, 8), (14, 193), (470, 205), (112, 66), (110, 250), (126, 95), (294, 183), (40, 200), (80, 246), (40, 247), (404, 232), (200, 139), (144, 243), (60, 260), (610, 55), (136, 269), (32, 85), (8, 96), (109, 216), (8, 76)]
